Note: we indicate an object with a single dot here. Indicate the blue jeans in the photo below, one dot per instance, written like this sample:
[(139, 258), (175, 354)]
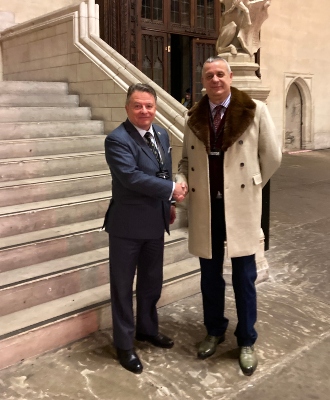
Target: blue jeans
[(244, 275)]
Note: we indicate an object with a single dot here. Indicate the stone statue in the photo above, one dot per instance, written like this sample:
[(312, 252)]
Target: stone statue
[(239, 4), (240, 26)]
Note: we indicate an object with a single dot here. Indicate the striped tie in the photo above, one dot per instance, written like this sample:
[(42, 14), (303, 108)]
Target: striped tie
[(152, 146)]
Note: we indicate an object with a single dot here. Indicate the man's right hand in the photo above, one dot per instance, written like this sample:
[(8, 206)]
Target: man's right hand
[(180, 191)]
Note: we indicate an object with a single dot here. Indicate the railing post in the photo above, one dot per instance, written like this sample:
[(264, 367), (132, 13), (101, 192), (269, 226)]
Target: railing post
[(83, 25)]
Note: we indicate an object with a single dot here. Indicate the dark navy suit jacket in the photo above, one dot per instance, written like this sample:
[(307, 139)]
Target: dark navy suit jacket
[(140, 205)]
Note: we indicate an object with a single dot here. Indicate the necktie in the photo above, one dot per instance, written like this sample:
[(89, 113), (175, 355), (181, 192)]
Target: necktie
[(152, 146), (217, 117)]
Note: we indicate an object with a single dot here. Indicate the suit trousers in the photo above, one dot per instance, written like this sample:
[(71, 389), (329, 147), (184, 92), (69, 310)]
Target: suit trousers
[(128, 256), (244, 274)]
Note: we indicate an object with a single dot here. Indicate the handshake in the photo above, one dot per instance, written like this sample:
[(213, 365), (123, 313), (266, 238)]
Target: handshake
[(180, 191)]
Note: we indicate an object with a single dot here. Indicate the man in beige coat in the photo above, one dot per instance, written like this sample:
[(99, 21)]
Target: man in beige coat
[(230, 151)]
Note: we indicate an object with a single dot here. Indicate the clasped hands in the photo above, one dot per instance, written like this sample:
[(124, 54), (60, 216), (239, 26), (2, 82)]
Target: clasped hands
[(180, 191)]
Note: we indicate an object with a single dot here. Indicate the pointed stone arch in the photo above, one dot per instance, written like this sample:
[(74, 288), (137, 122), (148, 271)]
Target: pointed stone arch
[(304, 85)]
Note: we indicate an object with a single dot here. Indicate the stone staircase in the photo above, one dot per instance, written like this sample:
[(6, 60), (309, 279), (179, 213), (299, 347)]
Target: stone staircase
[(54, 190)]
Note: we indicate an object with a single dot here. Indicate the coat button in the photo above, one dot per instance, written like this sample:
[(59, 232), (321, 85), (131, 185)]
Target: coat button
[(240, 142), (192, 189), (242, 164), (193, 147), (192, 168), (242, 186)]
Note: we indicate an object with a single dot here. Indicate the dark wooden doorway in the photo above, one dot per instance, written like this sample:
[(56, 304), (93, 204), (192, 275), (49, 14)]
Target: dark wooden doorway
[(153, 61), (181, 65), (165, 39)]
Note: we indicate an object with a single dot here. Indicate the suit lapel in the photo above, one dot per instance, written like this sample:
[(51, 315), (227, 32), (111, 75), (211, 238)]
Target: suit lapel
[(161, 139), (139, 140)]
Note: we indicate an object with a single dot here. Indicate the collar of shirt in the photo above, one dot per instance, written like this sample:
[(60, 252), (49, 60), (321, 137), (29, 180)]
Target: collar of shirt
[(142, 132), (225, 104)]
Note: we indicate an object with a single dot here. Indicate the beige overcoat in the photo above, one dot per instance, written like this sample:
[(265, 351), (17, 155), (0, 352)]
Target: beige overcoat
[(252, 155)]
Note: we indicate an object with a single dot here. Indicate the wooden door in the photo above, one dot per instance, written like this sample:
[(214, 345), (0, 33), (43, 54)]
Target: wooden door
[(153, 56), (202, 50), (293, 136), (117, 26)]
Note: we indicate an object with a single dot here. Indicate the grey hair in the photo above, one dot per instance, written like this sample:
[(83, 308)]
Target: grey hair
[(214, 59), (140, 87)]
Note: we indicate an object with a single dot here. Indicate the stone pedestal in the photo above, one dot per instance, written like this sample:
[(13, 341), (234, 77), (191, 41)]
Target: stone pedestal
[(244, 77)]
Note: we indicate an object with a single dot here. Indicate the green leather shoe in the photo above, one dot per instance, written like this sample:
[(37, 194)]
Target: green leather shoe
[(248, 360), (209, 345)]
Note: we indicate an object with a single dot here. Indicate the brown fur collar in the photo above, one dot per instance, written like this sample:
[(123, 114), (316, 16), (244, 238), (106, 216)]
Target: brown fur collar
[(239, 116)]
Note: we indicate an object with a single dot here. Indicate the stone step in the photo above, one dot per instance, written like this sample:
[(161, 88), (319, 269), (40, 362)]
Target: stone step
[(40, 246), (27, 333), (33, 114), (38, 100), (28, 87), (29, 286), (50, 146), (13, 169), (36, 247), (30, 217), (48, 188), (30, 130), (52, 285)]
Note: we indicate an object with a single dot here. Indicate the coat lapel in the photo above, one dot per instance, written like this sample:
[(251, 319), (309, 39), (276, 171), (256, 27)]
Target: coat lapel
[(239, 116)]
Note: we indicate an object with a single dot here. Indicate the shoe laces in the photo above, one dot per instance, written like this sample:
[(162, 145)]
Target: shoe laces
[(210, 338), (247, 349)]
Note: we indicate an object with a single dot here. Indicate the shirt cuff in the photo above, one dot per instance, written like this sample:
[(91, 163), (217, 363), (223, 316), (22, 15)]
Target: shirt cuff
[(172, 191)]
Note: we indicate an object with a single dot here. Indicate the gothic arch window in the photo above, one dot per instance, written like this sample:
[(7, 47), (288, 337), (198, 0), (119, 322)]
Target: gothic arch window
[(202, 49), (158, 72), (153, 55), (146, 66)]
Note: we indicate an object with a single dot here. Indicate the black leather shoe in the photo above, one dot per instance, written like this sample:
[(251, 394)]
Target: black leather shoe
[(130, 361), (158, 340), (208, 346)]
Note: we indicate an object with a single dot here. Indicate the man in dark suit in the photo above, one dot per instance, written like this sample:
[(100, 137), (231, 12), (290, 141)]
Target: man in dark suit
[(139, 156)]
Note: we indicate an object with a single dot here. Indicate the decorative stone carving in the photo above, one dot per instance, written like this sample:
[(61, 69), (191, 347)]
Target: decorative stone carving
[(241, 22)]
